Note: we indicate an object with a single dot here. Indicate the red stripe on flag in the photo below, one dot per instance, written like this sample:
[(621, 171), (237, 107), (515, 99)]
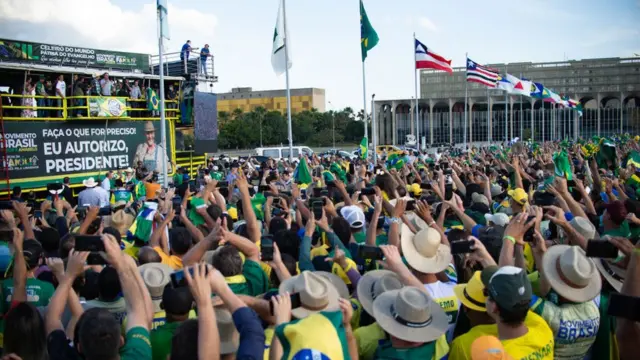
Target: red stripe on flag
[(438, 57), (426, 64)]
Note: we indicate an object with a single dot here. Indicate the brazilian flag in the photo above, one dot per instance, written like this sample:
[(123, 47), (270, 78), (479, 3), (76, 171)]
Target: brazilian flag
[(561, 165), (299, 338), (368, 36), (364, 148), (153, 104)]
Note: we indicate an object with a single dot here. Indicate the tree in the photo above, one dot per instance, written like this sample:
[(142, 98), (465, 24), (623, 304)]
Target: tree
[(240, 130)]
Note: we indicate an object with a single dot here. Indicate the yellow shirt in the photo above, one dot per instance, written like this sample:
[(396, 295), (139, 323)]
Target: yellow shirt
[(173, 261), (268, 337), (536, 344)]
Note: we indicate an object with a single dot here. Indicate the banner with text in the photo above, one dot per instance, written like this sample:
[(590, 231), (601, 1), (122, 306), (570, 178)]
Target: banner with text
[(102, 106), (13, 50), (38, 149)]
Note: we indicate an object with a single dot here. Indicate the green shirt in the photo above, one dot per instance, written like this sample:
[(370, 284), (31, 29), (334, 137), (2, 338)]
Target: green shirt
[(257, 281), (38, 293), (137, 345), (161, 340), (177, 181)]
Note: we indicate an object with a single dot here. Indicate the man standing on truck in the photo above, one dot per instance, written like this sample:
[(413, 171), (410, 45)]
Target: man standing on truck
[(61, 91), (152, 155), (42, 102)]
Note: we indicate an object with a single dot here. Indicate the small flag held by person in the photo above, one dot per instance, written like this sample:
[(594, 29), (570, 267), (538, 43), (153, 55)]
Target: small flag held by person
[(364, 148), (302, 175)]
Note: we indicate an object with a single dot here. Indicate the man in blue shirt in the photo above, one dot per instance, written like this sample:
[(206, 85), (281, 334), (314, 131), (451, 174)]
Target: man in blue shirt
[(204, 54), (184, 53)]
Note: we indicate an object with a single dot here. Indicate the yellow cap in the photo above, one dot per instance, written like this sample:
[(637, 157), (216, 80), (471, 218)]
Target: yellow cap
[(471, 294), (233, 212), (415, 189), (519, 195)]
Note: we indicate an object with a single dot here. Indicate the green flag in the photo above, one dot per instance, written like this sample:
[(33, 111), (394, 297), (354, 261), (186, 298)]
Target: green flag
[(364, 148), (562, 166), (368, 36), (302, 175)]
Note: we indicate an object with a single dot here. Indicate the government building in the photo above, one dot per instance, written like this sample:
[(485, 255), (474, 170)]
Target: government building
[(608, 88), (247, 99)]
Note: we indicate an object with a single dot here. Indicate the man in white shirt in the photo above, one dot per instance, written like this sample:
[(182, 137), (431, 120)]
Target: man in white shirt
[(61, 91), (106, 85), (106, 182)]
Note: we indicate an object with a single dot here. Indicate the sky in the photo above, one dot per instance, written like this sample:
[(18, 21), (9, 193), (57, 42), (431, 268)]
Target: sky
[(325, 36)]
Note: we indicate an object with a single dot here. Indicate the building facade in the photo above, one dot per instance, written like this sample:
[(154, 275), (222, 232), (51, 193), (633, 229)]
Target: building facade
[(608, 88), (247, 99)]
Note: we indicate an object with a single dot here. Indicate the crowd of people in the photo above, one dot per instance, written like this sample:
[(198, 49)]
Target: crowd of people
[(53, 91), (527, 251)]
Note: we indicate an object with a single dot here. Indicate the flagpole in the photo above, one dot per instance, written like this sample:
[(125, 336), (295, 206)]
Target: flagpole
[(163, 120), (542, 108), (364, 97), (489, 122), (466, 95), (521, 113), (374, 129), (286, 66), (415, 78), (506, 112)]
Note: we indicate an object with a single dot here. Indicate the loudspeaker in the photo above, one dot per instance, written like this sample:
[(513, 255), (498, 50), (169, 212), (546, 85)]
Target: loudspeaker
[(205, 109)]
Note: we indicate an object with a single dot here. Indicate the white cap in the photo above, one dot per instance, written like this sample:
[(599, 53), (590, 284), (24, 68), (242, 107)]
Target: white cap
[(499, 219), (354, 216), (215, 168)]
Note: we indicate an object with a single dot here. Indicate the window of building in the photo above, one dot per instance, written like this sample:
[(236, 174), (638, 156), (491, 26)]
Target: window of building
[(305, 104)]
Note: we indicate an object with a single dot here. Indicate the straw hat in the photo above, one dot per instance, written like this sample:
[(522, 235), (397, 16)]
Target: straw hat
[(571, 274), (229, 336), (90, 182), (122, 221), (148, 127), (410, 315), (316, 294), (155, 276), (584, 227), (471, 294), (374, 283), (612, 273), (424, 250), (337, 282)]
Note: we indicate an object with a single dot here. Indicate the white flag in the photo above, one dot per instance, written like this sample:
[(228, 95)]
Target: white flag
[(164, 24), (278, 59), (520, 87)]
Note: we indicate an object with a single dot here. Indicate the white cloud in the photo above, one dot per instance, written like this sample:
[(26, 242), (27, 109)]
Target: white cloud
[(102, 24), (426, 23)]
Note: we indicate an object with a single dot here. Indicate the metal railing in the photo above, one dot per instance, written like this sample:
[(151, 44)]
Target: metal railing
[(541, 125), (175, 65), (190, 161), (56, 108)]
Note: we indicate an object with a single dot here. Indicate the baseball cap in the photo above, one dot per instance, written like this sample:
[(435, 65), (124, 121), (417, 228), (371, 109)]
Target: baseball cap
[(488, 348), (354, 216), (415, 189), (33, 252), (519, 195), (499, 219), (508, 286)]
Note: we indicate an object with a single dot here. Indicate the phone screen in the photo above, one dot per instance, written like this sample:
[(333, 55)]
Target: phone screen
[(266, 248), (370, 252), (296, 302), (448, 192), (317, 209), (624, 306), (88, 243), (37, 214), (178, 279), (461, 247), (601, 249)]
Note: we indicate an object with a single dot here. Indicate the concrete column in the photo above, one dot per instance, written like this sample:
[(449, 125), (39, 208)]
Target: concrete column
[(430, 121), (511, 102), (394, 121), (621, 111), (470, 118), (490, 119), (379, 123), (533, 129), (412, 115), (451, 102), (599, 98)]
